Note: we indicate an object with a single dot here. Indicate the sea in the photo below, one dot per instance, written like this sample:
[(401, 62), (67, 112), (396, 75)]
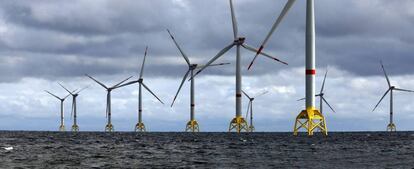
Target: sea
[(35, 149)]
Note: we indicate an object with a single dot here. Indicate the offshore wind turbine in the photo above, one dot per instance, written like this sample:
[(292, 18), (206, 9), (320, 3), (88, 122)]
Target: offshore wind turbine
[(62, 114), (250, 109), (192, 125), (391, 126), (73, 113), (109, 127), (140, 125), (321, 96), (238, 123)]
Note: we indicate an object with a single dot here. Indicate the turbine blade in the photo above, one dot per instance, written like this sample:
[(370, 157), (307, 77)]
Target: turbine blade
[(262, 53), (261, 94), (179, 88), (403, 90), (381, 99), (107, 105), (145, 86), (82, 89), (301, 99), (143, 63), (385, 74), (73, 109), (323, 83), (246, 94), (66, 96), (217, 64), (115, 86), (222, 52), (179, 48), (233, 20), (285, 10), (248, 108), (96, 81), (126, 84), (324, 100), (64, 88), (53, 95)]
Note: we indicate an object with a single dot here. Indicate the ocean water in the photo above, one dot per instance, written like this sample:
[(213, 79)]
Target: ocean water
[(205, 150)]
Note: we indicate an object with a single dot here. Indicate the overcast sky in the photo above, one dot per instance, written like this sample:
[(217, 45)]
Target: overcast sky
[(45, 42)]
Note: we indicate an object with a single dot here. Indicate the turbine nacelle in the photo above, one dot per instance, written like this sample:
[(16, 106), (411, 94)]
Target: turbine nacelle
[(193, 66), (239, 41)]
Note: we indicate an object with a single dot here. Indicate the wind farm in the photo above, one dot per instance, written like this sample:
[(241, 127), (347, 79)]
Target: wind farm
[(206, 84)]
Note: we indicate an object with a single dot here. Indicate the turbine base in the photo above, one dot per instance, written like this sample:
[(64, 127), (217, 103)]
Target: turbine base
[(310, 120), (391, 127), (251, 128), (140, 127), (75, 128), (109, 127), (62, 128), (192, 126), (238, 124)]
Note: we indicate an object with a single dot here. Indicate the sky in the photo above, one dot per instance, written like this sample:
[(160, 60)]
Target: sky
[(46, 42)]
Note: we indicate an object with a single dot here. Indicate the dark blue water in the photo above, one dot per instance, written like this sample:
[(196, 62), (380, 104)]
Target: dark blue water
[(205, 150)]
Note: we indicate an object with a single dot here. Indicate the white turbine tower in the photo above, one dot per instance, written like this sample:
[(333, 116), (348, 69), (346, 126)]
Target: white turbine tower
[(73, 113), (250, 109), (238, 123), (109, 127), (192, 125), (140, 125), (391, 126), (62, 114)]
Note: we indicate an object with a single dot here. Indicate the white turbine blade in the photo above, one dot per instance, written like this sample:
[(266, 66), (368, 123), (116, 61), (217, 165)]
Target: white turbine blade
[(262, 53), (217, 64), (73, 109), (126, 84), (233, 20), (385, 74), (246, 94), (179, 88), (82, 89), (179, 48), (115, 86), (53, 95), (248, 108), (143, 63), (65, 88), (96, 81), (222, 52), (261, 94), (107, 105), (323, 83), (381, 99), (67, 96), (145, 86), (301, 99), (403, 90), (328, 104)]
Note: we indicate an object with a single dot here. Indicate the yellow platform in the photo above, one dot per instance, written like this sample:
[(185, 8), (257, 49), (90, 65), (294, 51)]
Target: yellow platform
[(62, 128), (238, 124), (140, 127), (391, 127), (109, 128), (192, 126), (75, 128), (311, 120)]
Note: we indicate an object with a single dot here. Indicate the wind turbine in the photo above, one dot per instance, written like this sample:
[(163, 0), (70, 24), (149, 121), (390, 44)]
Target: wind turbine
[(238, 123), (74, 94), (140, 125), (321, 98), (62, 114), (250, 109), (192, 125), (391, 126), (109, 127)]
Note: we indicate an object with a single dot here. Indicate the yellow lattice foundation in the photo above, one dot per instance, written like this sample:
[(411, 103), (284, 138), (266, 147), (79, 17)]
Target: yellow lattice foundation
[(192, 126), (391, 127), (61, 128), (251, 128), (238, 124), (75, 128), (311, 120), (109, 128), (140, 127)]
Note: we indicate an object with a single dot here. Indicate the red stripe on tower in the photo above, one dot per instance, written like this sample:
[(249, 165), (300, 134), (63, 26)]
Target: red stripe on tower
[(311, 72)]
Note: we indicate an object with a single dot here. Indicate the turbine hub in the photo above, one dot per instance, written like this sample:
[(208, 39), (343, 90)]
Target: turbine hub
[(251, 99), (193, 66), (239, 41), (140, 80)]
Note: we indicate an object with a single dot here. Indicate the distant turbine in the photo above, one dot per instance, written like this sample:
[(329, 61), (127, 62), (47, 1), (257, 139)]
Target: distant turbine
[(73, 113), (62, 114), (321, 96), (109, 127), (250, 109), (140, 125), (192, 125), (391, 126), (238, 123)]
